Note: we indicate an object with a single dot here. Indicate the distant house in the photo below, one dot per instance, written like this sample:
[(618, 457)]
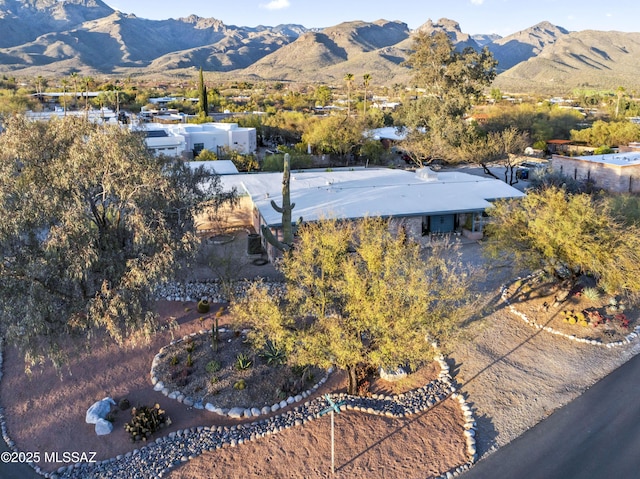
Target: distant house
[(104, 115), (617, 172), (422, 202), (558, 146), (193, 138)]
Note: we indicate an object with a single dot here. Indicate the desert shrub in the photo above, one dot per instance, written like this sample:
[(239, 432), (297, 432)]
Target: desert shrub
[(273, 355), (181, 377), (276, 162), (240, 385)]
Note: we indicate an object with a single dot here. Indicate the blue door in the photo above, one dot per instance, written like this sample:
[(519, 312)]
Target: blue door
[(442, 223)]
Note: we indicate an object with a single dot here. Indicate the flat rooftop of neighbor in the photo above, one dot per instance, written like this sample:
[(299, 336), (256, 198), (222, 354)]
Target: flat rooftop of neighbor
[(359, 192), (628, 158)]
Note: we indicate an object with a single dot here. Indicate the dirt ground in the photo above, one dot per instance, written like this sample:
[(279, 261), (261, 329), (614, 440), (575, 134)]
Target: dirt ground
[(365, 447), (45, 412), (516, 375), (513, 375)]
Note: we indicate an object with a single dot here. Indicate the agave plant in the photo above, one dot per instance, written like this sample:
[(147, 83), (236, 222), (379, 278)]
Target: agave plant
[(273, 354), (243, 362), (591, 293)]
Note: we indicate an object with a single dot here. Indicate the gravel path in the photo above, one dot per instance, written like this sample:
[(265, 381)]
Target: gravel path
[(515, 375)]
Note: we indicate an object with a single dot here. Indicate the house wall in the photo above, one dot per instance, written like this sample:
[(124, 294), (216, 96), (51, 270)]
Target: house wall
[(210, 139), (243, 140), (240, 216), (412, 226), (614, 178)]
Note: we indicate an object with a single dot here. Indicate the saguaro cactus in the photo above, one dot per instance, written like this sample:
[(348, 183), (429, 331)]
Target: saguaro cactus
[(287, 228)]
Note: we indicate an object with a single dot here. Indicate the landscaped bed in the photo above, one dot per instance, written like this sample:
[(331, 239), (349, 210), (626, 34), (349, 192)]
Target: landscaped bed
[(426, 443), (579, 309), (228, 373)]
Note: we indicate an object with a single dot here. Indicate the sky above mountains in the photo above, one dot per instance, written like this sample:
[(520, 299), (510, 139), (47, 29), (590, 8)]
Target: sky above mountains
[(503, 17)]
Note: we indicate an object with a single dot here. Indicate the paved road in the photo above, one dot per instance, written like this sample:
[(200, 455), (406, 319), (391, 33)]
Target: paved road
[(597, 436)]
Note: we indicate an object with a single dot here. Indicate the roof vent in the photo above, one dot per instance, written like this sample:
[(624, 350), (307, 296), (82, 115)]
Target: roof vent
[(426, 174)]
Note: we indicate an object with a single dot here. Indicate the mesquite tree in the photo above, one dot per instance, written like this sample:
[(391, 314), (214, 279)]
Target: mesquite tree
[(356, 294), (92, 222)]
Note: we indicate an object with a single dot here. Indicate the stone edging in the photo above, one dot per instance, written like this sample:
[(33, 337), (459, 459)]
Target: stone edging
[(233, 413), (628, 338), (165, 453), (209, 290)]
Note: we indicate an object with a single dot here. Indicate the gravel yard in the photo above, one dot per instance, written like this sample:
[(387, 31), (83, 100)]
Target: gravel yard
[(515, 375)]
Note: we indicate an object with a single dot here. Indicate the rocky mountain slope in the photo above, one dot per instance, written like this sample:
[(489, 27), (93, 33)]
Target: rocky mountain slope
[(58, 37), (581, 59), (520, 46)]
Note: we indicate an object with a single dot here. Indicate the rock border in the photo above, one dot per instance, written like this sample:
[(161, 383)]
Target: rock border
[(596, 342), (212, 290), (163, 454), (158, 457), (235, 412)]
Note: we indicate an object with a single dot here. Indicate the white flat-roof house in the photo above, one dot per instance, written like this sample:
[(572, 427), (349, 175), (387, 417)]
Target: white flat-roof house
[(422, 202), (194, 138), (616, 172)]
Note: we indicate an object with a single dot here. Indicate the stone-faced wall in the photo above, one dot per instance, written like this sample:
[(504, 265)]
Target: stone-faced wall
[(618, 179), (412, 226)]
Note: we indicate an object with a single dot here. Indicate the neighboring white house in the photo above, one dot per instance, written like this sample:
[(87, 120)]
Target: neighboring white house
[(197, 137), (422, 202)]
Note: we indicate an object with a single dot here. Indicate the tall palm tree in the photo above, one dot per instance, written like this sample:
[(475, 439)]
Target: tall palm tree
[(65, 84), (348, 78), (366, 79), (74, 79), (620, 91), (87, 81)]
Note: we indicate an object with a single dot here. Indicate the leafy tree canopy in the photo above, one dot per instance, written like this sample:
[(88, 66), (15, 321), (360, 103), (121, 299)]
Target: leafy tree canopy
[(452, 81), (608, 133), (358, 294), (569, 233), (93, 222)]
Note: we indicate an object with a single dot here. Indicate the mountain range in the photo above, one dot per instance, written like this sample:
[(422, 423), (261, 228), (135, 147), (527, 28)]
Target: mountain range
[(59, 37)]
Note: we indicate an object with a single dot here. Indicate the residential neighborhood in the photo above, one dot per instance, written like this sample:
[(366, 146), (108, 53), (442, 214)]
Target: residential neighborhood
[(354, 248)]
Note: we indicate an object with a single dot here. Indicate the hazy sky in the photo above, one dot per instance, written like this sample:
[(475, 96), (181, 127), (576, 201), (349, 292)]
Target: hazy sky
[(475, 16)]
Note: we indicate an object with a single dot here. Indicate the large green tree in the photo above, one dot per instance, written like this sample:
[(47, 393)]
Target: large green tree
[(92, 224), (356, 294), (451, 81), (613, 133), (566, 233), (336, 134)]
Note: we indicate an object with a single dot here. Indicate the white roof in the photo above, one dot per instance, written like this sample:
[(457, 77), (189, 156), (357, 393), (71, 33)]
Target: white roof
[(220, 167), (617, 159), (387, 133), (356, 193)]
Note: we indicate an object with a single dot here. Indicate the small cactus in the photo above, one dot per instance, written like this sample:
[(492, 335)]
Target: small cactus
[(145, 421), (203, 306)]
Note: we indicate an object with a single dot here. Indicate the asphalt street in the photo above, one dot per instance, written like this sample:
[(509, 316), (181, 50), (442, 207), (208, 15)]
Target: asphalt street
[(596, 436)]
